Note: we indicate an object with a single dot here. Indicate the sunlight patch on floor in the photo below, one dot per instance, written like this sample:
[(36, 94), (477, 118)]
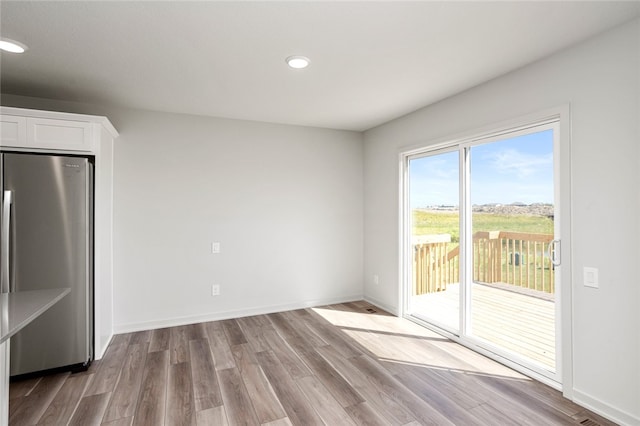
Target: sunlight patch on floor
[(398, 340)]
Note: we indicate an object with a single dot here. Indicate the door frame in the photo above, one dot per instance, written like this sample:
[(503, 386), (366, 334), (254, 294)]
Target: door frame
[(562, 170)]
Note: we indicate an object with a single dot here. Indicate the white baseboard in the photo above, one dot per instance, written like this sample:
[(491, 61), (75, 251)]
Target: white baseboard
[(604, 409), (382, 305), (103, 349), (217, 316)]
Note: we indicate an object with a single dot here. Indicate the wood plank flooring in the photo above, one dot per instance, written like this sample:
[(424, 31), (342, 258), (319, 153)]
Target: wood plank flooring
[(345, 364)]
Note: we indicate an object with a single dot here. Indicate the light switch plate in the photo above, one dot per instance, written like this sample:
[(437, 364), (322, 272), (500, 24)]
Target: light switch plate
[(215, 248), (591, 277)]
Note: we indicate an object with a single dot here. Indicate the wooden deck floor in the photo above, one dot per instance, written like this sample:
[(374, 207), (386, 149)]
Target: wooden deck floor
[(517, 322)]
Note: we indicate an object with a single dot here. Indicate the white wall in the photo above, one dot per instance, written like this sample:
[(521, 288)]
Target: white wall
[(601, 80), (285, 203)]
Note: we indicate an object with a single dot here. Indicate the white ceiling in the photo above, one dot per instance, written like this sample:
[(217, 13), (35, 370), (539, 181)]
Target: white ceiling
[(370, 61)]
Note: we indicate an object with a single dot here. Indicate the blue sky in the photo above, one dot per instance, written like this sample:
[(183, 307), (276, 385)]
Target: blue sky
[(511, 170)]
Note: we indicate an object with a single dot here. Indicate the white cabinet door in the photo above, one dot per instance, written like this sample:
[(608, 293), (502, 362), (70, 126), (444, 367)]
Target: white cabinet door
[(59, 134), (13, 130)]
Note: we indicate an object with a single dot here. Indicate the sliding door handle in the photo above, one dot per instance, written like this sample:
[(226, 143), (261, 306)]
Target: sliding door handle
[(553, 251)]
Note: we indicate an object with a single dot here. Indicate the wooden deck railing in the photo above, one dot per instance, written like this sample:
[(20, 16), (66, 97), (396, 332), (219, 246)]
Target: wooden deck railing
[(514, 258), (432, 268)]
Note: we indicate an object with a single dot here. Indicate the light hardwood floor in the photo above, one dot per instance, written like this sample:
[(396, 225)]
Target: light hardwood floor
[(343, 364)]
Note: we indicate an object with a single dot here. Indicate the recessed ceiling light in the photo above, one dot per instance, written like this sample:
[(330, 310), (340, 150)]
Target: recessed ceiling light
[(298, 62), (12, 46)]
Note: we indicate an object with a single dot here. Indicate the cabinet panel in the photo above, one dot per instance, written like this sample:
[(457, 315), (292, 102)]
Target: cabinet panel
[(13, 130), (58, 134)]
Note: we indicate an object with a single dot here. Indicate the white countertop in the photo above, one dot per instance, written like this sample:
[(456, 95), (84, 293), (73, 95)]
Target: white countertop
[(20, 308)]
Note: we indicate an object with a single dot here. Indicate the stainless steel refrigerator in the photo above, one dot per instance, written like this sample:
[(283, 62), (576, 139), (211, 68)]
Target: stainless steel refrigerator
[(47, 242)]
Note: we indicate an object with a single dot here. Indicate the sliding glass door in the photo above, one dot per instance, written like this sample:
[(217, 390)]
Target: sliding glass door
[(483, 250), (434, 182)]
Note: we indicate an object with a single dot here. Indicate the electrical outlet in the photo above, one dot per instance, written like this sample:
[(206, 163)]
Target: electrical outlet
[(215, 290), (376, 279)]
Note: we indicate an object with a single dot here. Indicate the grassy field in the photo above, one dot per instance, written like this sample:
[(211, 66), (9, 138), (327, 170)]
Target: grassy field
[(436, 222)]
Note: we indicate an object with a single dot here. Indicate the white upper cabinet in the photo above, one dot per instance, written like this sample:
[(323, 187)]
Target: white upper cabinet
[(52, 131), (13, 130), (59, 134)]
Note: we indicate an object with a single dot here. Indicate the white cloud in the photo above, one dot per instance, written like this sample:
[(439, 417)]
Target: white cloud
[(522, 165)]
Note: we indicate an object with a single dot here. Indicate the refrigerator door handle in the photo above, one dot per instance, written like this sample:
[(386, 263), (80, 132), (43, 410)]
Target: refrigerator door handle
[(5, 243)]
